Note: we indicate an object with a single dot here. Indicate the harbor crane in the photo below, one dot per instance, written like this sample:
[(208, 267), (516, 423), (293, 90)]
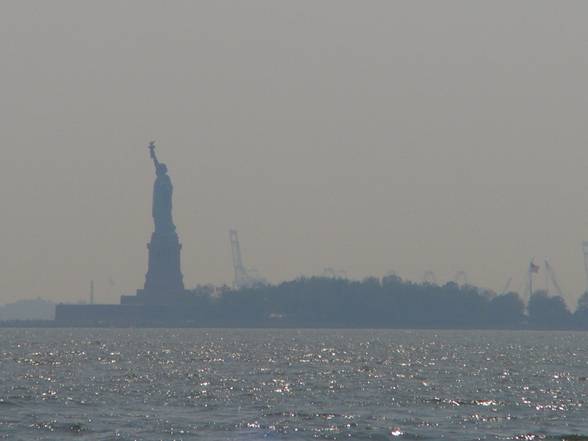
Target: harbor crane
[(585, 250), (506, 286), (244, 278), (551, 280)]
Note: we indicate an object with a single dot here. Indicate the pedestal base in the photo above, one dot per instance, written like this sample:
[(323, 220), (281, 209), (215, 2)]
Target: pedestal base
[(164, 282)]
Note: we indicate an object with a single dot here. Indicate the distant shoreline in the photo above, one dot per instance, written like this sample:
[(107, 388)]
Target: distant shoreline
[(328, 303), (52, 324)]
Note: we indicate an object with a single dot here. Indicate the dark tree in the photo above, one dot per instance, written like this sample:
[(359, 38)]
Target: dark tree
[(581, 314), (548, 312), (507, 310)]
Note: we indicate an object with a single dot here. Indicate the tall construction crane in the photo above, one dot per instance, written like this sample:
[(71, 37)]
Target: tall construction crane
[(533, 269), (244, 278), (585, 250), (506, 286), (550, 276)]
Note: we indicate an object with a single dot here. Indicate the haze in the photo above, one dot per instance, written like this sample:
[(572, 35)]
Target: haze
[(362, 136)]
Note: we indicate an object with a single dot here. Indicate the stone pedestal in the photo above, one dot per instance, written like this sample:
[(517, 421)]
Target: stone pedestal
[(164, 281)]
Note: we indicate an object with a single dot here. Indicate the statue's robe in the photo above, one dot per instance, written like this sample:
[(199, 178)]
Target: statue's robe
[(162, 204)]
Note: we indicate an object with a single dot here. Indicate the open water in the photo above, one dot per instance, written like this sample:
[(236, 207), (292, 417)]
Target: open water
[(193, 384)]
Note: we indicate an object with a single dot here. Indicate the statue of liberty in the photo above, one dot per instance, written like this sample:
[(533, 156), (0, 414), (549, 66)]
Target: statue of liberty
[(162, 197), (164, 282)]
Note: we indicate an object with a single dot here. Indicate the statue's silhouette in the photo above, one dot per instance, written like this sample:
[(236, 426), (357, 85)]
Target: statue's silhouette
[(163, 281), (162, 196)]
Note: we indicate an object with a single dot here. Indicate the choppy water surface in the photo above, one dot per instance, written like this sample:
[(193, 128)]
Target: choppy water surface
[(292, 385)]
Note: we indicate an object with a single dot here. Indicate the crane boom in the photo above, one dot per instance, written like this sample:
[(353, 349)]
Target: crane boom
[(244, 278), (585, 249), (551, 276), (506, 286)]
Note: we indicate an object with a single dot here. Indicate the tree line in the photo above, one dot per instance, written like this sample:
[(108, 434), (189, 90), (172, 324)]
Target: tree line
[(382, 303)]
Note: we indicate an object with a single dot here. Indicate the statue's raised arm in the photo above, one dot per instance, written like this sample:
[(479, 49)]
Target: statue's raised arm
[(152, 154)]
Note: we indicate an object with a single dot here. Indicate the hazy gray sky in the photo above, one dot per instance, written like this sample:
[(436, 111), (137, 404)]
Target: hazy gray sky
[(365, 136)]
